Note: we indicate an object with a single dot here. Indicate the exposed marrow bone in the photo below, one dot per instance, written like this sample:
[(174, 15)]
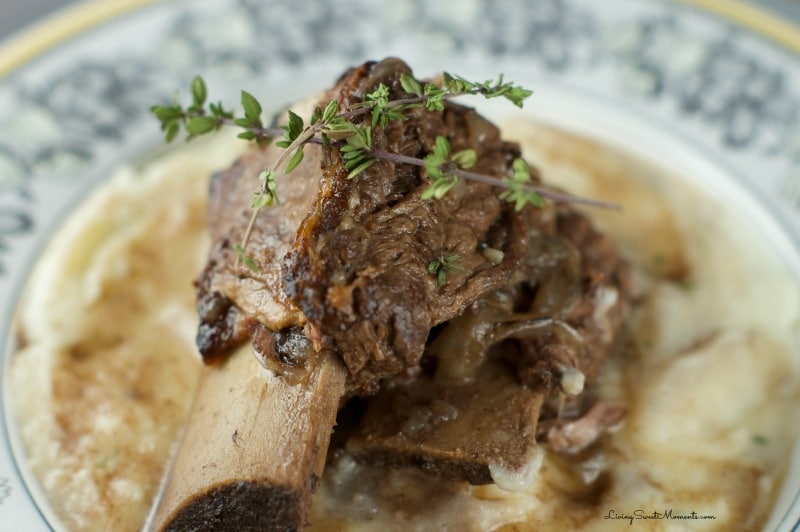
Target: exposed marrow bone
[(254, 448)]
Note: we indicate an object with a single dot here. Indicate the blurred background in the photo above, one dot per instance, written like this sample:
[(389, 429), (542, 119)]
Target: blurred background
[(16, 14)]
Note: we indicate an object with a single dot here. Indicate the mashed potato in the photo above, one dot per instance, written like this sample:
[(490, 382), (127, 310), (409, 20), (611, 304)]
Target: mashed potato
[(106, 367)]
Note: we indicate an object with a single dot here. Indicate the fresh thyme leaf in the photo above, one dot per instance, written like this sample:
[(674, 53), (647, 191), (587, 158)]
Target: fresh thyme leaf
[(295, 160), (520, 170), (356, 161), (316, 115), (442, 266), (167, 113), (268, 184), (267, 194), (456, 84), (330, 112), (260, 200), (518, 189), (363, 165), (382, 114), (355, 151), (170, 117), (441, 168), (433, 166), (201, 125), (244, 258), (199, 92), (465, 158), (436, 159), (440, 186), (435, 97), (379, 96), (339, 128), (441, 147), (219, 111), (517, 95), (362, 138), (252, 109), (295, 126), (293, 130), (410, 85), (172, 131), (489, 89)]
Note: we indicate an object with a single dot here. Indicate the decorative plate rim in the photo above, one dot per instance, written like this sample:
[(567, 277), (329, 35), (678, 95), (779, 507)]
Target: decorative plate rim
[(29, 43), (47, 33)]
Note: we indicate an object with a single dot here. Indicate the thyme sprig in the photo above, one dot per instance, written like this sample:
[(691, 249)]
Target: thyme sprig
[(353, 138), (450, 263)]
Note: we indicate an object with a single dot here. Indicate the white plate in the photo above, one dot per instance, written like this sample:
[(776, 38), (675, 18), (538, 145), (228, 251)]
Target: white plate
[(718, 93)]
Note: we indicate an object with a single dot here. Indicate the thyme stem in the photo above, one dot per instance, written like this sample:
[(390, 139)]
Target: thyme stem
[(490, 180), (307, 136), (328, 126)]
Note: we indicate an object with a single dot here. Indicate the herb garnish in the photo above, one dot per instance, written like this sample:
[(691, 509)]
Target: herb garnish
[(329, 126), (441, 267)]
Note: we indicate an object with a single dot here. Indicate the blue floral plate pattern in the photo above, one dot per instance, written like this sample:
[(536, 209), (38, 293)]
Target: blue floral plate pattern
[(73, 112)]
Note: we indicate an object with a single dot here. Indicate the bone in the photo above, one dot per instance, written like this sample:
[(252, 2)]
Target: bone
[(254, 448)]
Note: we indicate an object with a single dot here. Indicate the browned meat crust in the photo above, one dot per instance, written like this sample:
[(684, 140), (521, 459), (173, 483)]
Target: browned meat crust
[(348, 258), (359, 266)]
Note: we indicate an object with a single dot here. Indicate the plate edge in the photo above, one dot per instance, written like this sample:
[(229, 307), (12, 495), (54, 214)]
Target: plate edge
[(57, 27), (756, 18)]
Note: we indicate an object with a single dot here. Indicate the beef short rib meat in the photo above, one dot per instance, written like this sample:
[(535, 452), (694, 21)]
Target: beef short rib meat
[(342, 289), (466, 417), (359, 267), (343, 295), (232, 299), (468, 431), (348, 258)]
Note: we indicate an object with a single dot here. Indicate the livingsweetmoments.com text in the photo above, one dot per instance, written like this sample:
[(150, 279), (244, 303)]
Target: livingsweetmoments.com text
[(645, 515)]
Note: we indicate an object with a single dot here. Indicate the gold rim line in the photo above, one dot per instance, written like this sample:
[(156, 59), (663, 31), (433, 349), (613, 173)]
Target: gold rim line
[(58, 27), (73, 20), (755, 18)]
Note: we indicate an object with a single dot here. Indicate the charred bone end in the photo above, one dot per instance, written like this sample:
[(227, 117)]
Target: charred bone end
[(254, 448), (242, 506)]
